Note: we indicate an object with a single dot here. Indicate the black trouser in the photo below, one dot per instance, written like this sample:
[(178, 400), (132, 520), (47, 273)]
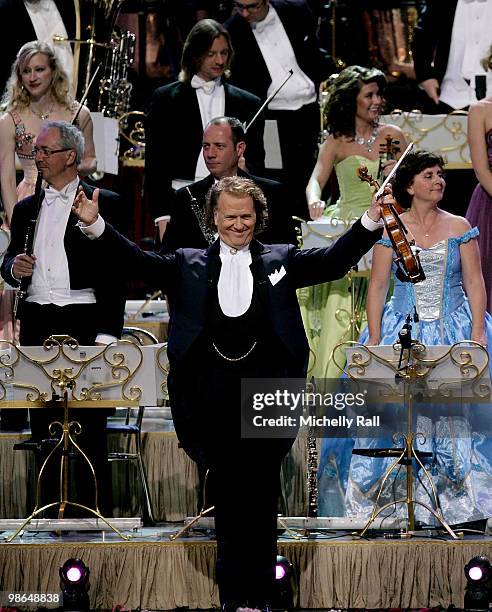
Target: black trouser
[(246, 487), (244, 478), (38, 322)]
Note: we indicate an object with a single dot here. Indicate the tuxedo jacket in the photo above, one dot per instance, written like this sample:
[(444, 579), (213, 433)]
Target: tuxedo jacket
[(16, 29), (190, 277), (84, 260), (174, 133), (249, 69), (183, 231), (432, 39)]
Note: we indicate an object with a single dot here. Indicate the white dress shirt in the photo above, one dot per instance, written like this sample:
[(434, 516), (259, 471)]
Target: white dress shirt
[(279, 58), (470, 41), (211, 100), (47, 22)]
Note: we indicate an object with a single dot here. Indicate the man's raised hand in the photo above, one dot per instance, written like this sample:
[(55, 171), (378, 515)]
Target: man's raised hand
[(86, 210)]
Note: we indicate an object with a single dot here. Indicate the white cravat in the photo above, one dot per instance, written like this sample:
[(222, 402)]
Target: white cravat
[(235, 286)]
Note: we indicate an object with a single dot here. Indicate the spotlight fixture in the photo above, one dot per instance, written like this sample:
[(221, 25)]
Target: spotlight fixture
[(74, 575), (284, 592), (478, 573)]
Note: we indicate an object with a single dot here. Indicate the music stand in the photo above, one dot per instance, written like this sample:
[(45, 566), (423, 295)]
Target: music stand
[(61, 373), (444, 373)]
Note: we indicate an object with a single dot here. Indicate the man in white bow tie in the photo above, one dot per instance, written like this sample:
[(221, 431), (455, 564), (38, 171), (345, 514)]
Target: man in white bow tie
[(448, 48), (180, 111), (235, 316), (67, 293)]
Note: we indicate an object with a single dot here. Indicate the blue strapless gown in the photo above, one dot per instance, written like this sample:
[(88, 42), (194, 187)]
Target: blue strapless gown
[(461, 467)]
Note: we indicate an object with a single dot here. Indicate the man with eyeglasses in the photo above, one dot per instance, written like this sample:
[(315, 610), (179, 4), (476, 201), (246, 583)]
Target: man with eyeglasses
[(67, 292), (180, 111), (272, 37)]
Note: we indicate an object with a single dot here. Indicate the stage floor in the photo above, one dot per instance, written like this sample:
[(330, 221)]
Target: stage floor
[(332, 569)]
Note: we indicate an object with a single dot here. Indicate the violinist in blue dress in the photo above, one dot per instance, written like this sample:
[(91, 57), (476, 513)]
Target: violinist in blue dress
[(451, 306)]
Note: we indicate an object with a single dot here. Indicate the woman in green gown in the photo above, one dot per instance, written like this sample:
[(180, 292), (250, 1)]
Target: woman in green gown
[(355, 138)]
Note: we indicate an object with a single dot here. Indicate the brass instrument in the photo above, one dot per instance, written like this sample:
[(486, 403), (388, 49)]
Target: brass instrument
[(114, 87), (100, 12)]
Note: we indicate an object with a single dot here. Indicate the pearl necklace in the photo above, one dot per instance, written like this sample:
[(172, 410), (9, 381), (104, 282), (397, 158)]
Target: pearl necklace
[(367, 142)]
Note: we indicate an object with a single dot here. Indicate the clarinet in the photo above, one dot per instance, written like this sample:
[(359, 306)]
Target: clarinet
[(25, 281), (208, 234)]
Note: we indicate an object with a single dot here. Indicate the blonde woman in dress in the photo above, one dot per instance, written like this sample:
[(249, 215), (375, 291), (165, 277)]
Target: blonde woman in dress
[(37, 90)]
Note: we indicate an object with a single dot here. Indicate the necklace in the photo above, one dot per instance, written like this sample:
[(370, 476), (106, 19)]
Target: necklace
[(42, 116), (427, 231), (367, 142), (232, 359)]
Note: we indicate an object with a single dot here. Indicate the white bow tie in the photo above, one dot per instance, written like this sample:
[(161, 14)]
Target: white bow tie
[(51, 195), (269, 20), (199, 83)]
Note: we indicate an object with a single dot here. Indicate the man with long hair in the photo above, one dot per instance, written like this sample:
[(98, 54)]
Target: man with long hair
[(180, 111)]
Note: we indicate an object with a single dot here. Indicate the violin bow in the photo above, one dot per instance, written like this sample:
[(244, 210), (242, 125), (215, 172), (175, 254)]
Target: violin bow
[(393, 170), (86, 93), (267, 101)]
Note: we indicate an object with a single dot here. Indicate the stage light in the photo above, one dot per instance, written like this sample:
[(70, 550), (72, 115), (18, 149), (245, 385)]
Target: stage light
[(478, 573), (74, 575), (284, 593)]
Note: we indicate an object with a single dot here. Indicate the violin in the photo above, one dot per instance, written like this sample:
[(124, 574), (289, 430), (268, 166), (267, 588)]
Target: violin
[(409, 268)]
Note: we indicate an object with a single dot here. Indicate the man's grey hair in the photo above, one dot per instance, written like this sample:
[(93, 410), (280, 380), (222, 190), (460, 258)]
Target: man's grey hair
[(70, 137)]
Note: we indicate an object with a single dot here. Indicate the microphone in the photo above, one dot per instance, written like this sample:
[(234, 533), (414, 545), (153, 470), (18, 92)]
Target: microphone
[(405, 334), (480, 86)]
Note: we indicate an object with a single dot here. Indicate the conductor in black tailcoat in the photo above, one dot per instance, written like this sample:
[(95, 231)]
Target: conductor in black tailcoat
[(235, 316)]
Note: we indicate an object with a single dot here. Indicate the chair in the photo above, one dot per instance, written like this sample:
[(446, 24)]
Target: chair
[(128, 428)]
